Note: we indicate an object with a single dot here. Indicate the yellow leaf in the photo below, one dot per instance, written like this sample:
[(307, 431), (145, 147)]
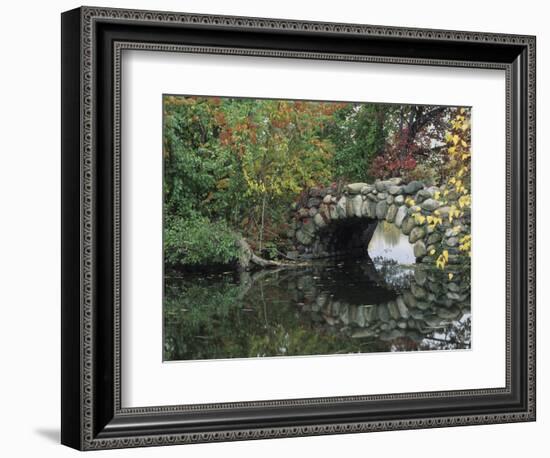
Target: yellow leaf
[(223, 183), (420, 218), (450, 275)]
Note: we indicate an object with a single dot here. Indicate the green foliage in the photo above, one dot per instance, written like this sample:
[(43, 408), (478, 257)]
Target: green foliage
[(422, 172), (199, 175), (218, 316), (359, 131), (198, 319), (241, 163), (199, 241)]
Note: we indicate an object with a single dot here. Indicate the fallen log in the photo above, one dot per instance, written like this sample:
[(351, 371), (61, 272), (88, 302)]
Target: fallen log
[(248, 259)]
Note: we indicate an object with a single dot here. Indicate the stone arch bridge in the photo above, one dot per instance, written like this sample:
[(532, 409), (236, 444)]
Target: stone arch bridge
[(341, 222)]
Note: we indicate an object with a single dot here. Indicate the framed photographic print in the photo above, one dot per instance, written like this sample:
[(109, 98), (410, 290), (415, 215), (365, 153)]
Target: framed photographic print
[(277, 228)]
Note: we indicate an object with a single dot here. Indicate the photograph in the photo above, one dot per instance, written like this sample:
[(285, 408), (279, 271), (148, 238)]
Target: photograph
[(312, 227), (277, 222)]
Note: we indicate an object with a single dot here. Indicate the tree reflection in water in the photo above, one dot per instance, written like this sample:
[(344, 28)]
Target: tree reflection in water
[(381, 304)]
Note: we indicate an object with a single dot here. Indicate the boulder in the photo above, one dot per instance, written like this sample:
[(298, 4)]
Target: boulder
[(453, 231), (408, 224), (303, 237), (453, 287), (362, 333), (394, 190), (372, 197), (333, 212), (319, 220), (355, 188), (383, 314), (420, 275), (356, 204), (391, 335), (314, 202), (293, 255), (365, 208), (444, 211), (413, 187), (400, 215), (324, 210), (409, 299), (381, 208), (452, 241), (315, 192), (422, 305), (392, 211), (434, 238), (419, 248), (341, 207), (303, 212), (367, 189), (422, 195), (448, 314), (394, 311), (402, 324), (402, 307), (418, 291), (430, 204), (349, 206), (372, 209), (417, 233)]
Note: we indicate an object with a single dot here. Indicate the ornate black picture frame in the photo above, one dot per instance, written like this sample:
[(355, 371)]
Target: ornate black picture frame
[(92, 42)]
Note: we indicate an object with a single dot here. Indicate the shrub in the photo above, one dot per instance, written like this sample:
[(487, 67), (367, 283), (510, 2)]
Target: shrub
[(422, 172), (198, 241)]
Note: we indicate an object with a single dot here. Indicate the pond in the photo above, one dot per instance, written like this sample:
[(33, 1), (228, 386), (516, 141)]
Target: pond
[(380, 301)]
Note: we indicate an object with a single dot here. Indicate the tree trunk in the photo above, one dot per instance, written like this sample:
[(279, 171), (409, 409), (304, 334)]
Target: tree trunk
[(262, 222), (247, 259)]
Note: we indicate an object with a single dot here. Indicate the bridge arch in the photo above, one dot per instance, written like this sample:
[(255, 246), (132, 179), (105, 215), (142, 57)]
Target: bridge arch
[(432, 302), (340, 222)]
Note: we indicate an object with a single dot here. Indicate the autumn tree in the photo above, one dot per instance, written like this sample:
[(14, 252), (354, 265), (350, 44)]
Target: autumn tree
[(414, 137), (280, 150)]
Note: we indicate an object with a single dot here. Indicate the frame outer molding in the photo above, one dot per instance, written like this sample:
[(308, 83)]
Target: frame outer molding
[(78, 430)]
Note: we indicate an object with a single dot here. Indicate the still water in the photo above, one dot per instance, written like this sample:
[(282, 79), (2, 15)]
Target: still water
[(379, 302)]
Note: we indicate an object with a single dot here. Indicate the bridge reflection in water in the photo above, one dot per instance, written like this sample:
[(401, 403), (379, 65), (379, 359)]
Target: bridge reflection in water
[(377, 302)]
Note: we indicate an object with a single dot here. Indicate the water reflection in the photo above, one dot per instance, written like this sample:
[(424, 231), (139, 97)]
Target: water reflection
[(388, 242), (386, 303)]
